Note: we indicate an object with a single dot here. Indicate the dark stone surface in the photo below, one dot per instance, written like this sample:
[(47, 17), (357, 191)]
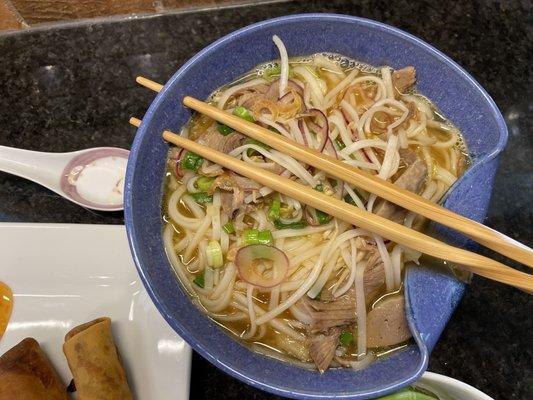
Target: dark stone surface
[(72, 87)]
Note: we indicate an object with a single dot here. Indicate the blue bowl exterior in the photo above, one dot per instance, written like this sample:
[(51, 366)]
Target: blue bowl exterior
[(431, 296)]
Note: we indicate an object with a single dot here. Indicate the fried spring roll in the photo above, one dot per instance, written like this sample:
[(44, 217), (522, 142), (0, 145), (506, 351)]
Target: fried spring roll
[(95, 363), (26, 374)]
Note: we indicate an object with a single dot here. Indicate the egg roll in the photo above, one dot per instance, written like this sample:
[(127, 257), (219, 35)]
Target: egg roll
[(26, 374), (94, 361)]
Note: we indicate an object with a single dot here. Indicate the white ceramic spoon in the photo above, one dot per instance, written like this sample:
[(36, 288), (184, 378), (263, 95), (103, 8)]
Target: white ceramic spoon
[(92, 178)]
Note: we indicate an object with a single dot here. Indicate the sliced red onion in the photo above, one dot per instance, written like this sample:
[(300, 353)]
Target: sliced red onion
[(330, 149), (273, 90), (365, 152), (296, 87), (305, 132), (180, 154), (346, 116), (287, 98), (245, 262)]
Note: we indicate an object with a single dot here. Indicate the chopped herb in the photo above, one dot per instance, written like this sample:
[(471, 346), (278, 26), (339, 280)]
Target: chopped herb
[(204, 183), (265, 237), (202, 197), (191, 161), (274, 71), (224, 129), (229, 227), (322, 217), (243, 113), (340, 144), (199, 280), (320, 187), (346, 338), (293, 225), (255, 236), (348, 199), (273, 212)]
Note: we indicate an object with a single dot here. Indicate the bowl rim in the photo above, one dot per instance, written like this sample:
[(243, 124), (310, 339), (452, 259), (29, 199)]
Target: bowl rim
[(135, 149), (434, 379)]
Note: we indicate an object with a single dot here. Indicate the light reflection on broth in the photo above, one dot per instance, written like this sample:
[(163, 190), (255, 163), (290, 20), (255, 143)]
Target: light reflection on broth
[(273, 320)]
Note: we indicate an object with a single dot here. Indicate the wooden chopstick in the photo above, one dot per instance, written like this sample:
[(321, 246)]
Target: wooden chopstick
[(480, 233), (395, 232), (387, 190), (398, 233)]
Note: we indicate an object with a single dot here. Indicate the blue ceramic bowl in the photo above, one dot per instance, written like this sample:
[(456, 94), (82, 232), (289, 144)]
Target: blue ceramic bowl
[(431, 296)]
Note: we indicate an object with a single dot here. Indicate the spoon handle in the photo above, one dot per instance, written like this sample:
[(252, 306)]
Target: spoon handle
[(43, 168)]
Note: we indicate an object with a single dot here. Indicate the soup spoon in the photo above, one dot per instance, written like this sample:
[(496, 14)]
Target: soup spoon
[(92, 178)]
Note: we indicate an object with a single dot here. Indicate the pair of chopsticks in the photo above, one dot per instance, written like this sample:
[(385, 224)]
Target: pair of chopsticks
[(395, 232)]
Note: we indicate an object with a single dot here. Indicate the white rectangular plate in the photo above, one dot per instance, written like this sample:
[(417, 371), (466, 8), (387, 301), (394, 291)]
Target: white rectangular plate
[(63, 275)]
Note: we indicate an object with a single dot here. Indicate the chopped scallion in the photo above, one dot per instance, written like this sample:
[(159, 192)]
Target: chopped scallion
[(224, 129), (340, 144), (348, 199), (199, 280), (265, 237), (243, 113), (293, 225), (322, 217), (229, 227), (249, 236), (213, 253), (191, 161), (255, 236), (204, 183), (273, 212), (202, 197), (271, 72)]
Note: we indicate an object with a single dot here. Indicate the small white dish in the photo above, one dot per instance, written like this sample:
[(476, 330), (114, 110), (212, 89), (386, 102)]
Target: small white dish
[(63, 275), (449, 389), (92, 178)]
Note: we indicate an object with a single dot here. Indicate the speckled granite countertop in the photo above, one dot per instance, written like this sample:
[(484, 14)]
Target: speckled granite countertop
[(71, 87)]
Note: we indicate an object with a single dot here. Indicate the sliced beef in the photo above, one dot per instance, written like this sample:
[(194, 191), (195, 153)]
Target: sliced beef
[(231, 201), (322, 348), (233, 188), (329, 315), (403, 79), (230, 180), (412, 179), (374, 278), (223, 143), (386, 324), (327, 318)]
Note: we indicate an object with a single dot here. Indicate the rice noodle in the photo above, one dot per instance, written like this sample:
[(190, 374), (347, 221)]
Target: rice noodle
[(224, 96), (360, 305), (368, 125), (284, 76)]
